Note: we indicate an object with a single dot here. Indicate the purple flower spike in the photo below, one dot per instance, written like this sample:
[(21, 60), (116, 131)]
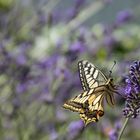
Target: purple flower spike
[(75, 129), (76, 46), (109, 41), (124, 16), (132, 91), (79, 3), (128, 90), (113, 134)]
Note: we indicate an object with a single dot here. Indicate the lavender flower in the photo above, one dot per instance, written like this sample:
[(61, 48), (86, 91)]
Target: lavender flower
[(132, 91), (75, 48), (75, 129), (124, 16), (73, 11), (113, 134), (109, 41), (79, 3)]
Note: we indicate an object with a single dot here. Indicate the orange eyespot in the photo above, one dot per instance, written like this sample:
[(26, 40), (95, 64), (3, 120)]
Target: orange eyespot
[(100, 113)]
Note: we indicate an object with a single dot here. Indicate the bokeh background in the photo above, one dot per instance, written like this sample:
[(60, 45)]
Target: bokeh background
[(41, 42)]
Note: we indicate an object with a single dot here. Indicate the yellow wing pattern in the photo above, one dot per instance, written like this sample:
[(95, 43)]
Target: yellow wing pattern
[(96, 86), (90, 75)]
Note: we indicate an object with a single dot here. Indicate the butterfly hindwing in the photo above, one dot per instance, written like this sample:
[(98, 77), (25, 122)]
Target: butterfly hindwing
[(88, 105), (110, 98)]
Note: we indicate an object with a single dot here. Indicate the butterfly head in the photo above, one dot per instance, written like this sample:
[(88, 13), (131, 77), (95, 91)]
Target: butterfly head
[(111, 80)]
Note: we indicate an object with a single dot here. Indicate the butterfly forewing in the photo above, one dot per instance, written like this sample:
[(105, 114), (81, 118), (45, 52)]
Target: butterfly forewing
[(90, 76)]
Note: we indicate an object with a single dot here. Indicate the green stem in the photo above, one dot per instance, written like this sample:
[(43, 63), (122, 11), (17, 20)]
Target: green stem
[(123, 128)]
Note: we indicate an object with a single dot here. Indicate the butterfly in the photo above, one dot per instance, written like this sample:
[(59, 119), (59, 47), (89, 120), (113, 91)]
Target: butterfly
[(96, 86)]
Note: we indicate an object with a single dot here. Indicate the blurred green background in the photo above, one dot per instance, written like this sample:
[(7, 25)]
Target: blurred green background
[(41, 43)]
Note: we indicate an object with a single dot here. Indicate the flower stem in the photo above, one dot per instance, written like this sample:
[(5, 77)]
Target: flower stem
[(123, 128)]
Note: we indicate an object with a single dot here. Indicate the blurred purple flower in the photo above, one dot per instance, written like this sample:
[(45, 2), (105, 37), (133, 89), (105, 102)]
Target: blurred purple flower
[(107, 30), (60, 115), (109, 41), (75, 129), (42, 18), (77, 46), (52, 132), (59, 43), (79, 3), (74, 50), (49, 62), (132, 91), (59, 71), (23, 72), (53, 136), (124, 16), (71, 13), (55, 17), (16, 102), (21, 87), (46, 98), (113, 134), (67, 74), (21, 59)]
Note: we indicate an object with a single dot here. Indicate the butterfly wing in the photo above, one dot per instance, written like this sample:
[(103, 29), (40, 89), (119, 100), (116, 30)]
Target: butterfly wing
[(88, 105), (91, 116), (90, 75), (95, 108), (78, 103), (110, 96)]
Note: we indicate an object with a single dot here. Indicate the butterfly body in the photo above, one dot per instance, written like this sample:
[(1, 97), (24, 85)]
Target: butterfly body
[(96, 86)]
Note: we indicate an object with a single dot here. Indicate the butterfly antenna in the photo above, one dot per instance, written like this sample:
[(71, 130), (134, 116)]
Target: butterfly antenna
[(110, 72)]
